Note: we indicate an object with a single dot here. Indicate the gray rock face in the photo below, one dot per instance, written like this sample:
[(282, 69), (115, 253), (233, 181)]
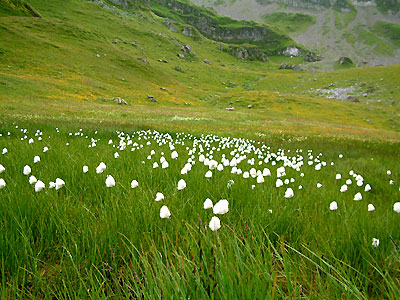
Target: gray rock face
[(291, 51), (345, 60), (290, 67), (238, 32), (188, 31), (245, 53), (131, 3), (170, 24)]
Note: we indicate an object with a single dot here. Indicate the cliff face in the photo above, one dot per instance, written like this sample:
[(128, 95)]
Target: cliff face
[(131, 3), (309, 4), (222, 29)]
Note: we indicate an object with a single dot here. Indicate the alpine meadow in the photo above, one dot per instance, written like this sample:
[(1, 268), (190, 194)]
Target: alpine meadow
[(205, 149)]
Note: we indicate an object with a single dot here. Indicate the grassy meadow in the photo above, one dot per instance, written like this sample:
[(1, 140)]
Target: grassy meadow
[(87, 240), (279, 240)]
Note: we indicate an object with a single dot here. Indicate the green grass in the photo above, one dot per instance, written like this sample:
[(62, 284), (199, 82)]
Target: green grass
[(87, 240), (16, 8), (291, 23), (222, 28), (388, 30), (343, 19), (49, 69), (370, 38)]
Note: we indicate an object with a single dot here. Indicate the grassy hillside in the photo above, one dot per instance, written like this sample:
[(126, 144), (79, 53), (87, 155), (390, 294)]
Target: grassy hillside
[(66, 63), (59, 75), (290, 22)]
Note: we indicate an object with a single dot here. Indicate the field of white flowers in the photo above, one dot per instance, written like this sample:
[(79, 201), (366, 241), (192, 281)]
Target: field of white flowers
[(152, 215)]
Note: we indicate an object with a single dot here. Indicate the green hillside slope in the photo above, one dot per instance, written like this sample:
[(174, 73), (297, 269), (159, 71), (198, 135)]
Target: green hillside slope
[(80, 55)]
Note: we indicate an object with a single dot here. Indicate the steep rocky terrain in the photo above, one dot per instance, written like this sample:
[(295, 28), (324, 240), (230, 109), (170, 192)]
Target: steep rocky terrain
[(340, 28)]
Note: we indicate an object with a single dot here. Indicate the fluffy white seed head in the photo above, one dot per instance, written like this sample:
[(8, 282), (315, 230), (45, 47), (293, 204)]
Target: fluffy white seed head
[(207, 204), (59, 183), (39, 185), (134, 184), (164, 212), (159, 197), (215, 224), (221, 207), (110, 181), (181, 184), (2, 183)]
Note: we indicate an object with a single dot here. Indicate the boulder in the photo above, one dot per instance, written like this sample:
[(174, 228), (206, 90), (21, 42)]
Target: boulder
[(345, 61)]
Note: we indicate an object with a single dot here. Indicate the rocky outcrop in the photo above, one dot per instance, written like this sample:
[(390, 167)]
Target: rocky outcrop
[(245, 53), (290, 67), (309, 4), (135, 4), (223, 29), (345, 61)]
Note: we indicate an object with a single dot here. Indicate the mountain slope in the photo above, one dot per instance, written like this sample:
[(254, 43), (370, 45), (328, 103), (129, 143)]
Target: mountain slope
[(341, 28), (66, 64)]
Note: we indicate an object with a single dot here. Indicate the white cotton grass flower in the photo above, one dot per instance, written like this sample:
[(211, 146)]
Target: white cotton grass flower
[(52, 185), (39, 185), (396, 207), (338, 176), (343, 188), (246, 175), (260, 179), (181, 184), (333, 205), (367, 187), (391, 182), (375, 242), (110, 181), (279, 183), (289, 193), (2, 169), (358, 197), (27, 170), (4, 151), (348, 181), (159, 197), (155, 165), (214, 224), (164, 164), (208, 174), (207, 204), (300, 187), (45, 149), (2, 183), (371, 207), (174, 155), (32, 179), (360, 183), (134, 184), (101, 168), (85, 169), (221, 207), (266, 172), (30, 141), (59, 183), (164, 212), (36, 159), (389, 172), (116, 155), (319, 185)]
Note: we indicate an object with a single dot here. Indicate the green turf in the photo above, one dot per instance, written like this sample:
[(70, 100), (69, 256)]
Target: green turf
[(89, 241), (291, 23)]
